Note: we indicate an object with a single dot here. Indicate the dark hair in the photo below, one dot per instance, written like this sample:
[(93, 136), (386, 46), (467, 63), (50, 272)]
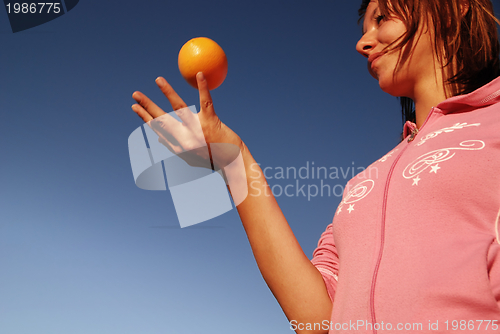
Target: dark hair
[(466, 40)]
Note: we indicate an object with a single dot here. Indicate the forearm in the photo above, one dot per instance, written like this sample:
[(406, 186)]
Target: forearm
[(295, 282)]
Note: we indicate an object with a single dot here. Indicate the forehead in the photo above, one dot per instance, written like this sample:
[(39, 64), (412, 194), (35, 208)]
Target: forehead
[(372, 6)]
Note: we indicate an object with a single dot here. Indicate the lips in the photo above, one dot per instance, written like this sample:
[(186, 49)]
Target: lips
[(374, 57)]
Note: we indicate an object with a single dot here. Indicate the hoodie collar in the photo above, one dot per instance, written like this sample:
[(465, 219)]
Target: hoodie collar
[(482, 97)]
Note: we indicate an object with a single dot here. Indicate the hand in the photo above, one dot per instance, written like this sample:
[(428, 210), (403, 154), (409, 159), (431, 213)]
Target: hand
[(189, 139)]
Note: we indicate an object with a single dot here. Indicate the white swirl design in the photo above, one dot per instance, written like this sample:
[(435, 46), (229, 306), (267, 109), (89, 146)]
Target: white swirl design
[(357, 193), (360, 191), (427, 160), (434, 134)]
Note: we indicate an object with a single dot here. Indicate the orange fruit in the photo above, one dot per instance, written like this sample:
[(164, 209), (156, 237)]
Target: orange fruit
[(202, 54)]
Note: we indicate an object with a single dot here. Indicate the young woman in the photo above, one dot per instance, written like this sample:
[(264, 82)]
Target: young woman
[(417, 248)]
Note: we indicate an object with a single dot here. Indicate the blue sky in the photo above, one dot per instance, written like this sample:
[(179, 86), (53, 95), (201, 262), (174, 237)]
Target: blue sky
[(82, 249)]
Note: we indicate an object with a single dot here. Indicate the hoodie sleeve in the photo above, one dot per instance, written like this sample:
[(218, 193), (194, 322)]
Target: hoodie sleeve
[(326, 260)]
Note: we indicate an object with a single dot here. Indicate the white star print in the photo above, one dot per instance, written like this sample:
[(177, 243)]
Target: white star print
[(351, 208), (434, 169), (339, 210), (416, 180)]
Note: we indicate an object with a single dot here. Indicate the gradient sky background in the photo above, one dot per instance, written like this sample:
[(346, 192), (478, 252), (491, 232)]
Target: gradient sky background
[(82, 249)]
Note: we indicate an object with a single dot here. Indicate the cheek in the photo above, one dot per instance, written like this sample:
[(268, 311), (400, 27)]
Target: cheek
[(390, 31)]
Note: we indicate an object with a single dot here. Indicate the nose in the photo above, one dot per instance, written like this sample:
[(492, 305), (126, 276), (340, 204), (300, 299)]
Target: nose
[(366, 44)]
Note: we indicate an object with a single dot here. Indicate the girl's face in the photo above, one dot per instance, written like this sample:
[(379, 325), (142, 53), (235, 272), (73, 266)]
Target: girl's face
[(415, 74)]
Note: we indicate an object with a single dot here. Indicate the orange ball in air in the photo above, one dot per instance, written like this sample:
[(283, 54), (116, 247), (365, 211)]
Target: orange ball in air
[(202, 54)]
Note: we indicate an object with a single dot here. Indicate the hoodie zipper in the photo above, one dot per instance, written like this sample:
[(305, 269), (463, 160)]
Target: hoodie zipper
[(413, 134)]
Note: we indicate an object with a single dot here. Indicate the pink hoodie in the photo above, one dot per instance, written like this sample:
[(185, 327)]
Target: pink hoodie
[(414, 244)]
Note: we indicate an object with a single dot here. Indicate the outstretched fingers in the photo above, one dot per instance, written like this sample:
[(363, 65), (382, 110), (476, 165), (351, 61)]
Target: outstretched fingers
[(149, 106), (142, 113), (162, 123), (175, 135), (178, 104), (174, 99)]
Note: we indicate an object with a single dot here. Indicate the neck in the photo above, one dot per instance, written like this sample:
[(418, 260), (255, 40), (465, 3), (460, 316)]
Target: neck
[(428, 94)]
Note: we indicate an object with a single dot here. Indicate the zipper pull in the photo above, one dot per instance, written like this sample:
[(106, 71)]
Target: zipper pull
[(413, 134)]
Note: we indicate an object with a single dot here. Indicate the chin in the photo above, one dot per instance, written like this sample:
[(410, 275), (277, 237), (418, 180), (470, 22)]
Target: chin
[(389, 86), (389, 89)]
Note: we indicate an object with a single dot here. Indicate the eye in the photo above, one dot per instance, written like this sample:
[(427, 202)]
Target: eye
[(380, 18)]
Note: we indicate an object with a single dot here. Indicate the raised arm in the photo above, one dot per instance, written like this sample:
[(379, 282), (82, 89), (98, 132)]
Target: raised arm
[(293, 279)]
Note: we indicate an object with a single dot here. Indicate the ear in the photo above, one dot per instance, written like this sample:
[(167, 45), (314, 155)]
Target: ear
[(464, 7)]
